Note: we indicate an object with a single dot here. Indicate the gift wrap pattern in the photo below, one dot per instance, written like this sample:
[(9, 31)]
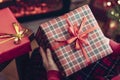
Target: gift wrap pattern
[(68, 58)]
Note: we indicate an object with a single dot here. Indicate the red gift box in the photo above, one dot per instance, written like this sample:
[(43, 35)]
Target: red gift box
[(75, 39), (9, 50)]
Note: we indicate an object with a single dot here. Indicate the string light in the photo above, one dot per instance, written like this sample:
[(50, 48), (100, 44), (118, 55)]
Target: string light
[(118, 1), (108, 3), (117, 14), (112, 24), (112, 12), (1, 1)]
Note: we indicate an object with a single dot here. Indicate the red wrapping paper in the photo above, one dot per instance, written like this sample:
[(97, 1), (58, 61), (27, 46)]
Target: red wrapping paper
[(9, 50)]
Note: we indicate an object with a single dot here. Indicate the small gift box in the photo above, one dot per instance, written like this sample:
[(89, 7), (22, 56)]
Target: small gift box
[(13, 39), (75, 39)]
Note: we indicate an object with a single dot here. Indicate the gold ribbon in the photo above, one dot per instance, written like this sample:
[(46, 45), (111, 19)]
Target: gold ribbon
[(17, 37)]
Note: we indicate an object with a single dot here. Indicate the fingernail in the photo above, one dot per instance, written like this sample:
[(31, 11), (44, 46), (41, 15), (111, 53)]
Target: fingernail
[(48, 50), (41, 49)]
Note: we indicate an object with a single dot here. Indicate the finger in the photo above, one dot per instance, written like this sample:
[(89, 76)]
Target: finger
[(43, 54), (51, 63), (49, 56)]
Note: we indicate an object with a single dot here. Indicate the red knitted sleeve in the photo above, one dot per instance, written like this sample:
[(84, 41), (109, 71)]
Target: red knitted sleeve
[(53, 75), (115, 47)]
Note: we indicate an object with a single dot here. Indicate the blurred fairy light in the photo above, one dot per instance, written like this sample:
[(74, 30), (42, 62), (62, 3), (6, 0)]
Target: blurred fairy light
[(117, 14), (112, 12), (112, 24), (1, 1), (108, 3), (118, 1)]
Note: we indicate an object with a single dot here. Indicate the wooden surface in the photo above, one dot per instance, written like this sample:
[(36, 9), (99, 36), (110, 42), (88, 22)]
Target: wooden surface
[(9, 72)]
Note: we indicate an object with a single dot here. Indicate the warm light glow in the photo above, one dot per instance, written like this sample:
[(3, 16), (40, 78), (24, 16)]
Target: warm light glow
[(118, 1), (44, 4), (117, 14), (112, 24), (112, 12), (108, 3), (1, 1), (119, 20), (104, 4)]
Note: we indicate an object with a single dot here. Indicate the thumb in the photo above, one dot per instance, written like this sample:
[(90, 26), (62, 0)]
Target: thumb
[(49, 56), (52, 65)]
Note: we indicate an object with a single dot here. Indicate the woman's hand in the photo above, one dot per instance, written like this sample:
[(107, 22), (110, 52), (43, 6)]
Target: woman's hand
[(48, 62)]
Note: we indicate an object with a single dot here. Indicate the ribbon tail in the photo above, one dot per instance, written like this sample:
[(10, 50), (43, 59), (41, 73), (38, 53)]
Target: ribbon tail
[(16, 27), (82, 23), (58, 43), (5, 36), (2, 42), (84, 41), (77, 45), (85, 35), (75, 29), (71, 40), (71, 30), (85, 55), (89, 30), (68, 22)]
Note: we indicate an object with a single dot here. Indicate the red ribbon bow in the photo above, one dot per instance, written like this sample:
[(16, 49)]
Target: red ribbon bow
[(78, 37)]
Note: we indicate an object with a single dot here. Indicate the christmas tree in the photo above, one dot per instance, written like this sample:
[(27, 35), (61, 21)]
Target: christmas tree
[(113, 13)]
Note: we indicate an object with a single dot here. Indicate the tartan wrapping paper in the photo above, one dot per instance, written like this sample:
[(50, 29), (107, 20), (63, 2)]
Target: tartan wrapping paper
[(68, 59), (104, 69)]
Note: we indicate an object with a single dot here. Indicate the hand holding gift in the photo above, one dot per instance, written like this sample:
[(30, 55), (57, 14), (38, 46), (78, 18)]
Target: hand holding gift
[(81, 28), (48, 62), (50, 65)]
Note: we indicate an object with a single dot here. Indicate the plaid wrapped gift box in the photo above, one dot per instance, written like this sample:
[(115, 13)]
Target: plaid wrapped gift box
[(9, 50), (68, 58)]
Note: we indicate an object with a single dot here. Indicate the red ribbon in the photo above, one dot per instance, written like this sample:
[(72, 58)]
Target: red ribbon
[(76, 34), (78, 37)]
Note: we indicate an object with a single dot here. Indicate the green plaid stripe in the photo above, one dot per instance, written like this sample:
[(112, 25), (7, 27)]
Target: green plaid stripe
[(72, 60)]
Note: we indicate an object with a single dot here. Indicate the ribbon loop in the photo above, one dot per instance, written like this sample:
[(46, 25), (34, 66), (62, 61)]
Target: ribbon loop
[(17, 37), (78, 36)]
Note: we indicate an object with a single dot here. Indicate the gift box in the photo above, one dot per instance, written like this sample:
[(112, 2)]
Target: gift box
[(13, 41), (75, 39)]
